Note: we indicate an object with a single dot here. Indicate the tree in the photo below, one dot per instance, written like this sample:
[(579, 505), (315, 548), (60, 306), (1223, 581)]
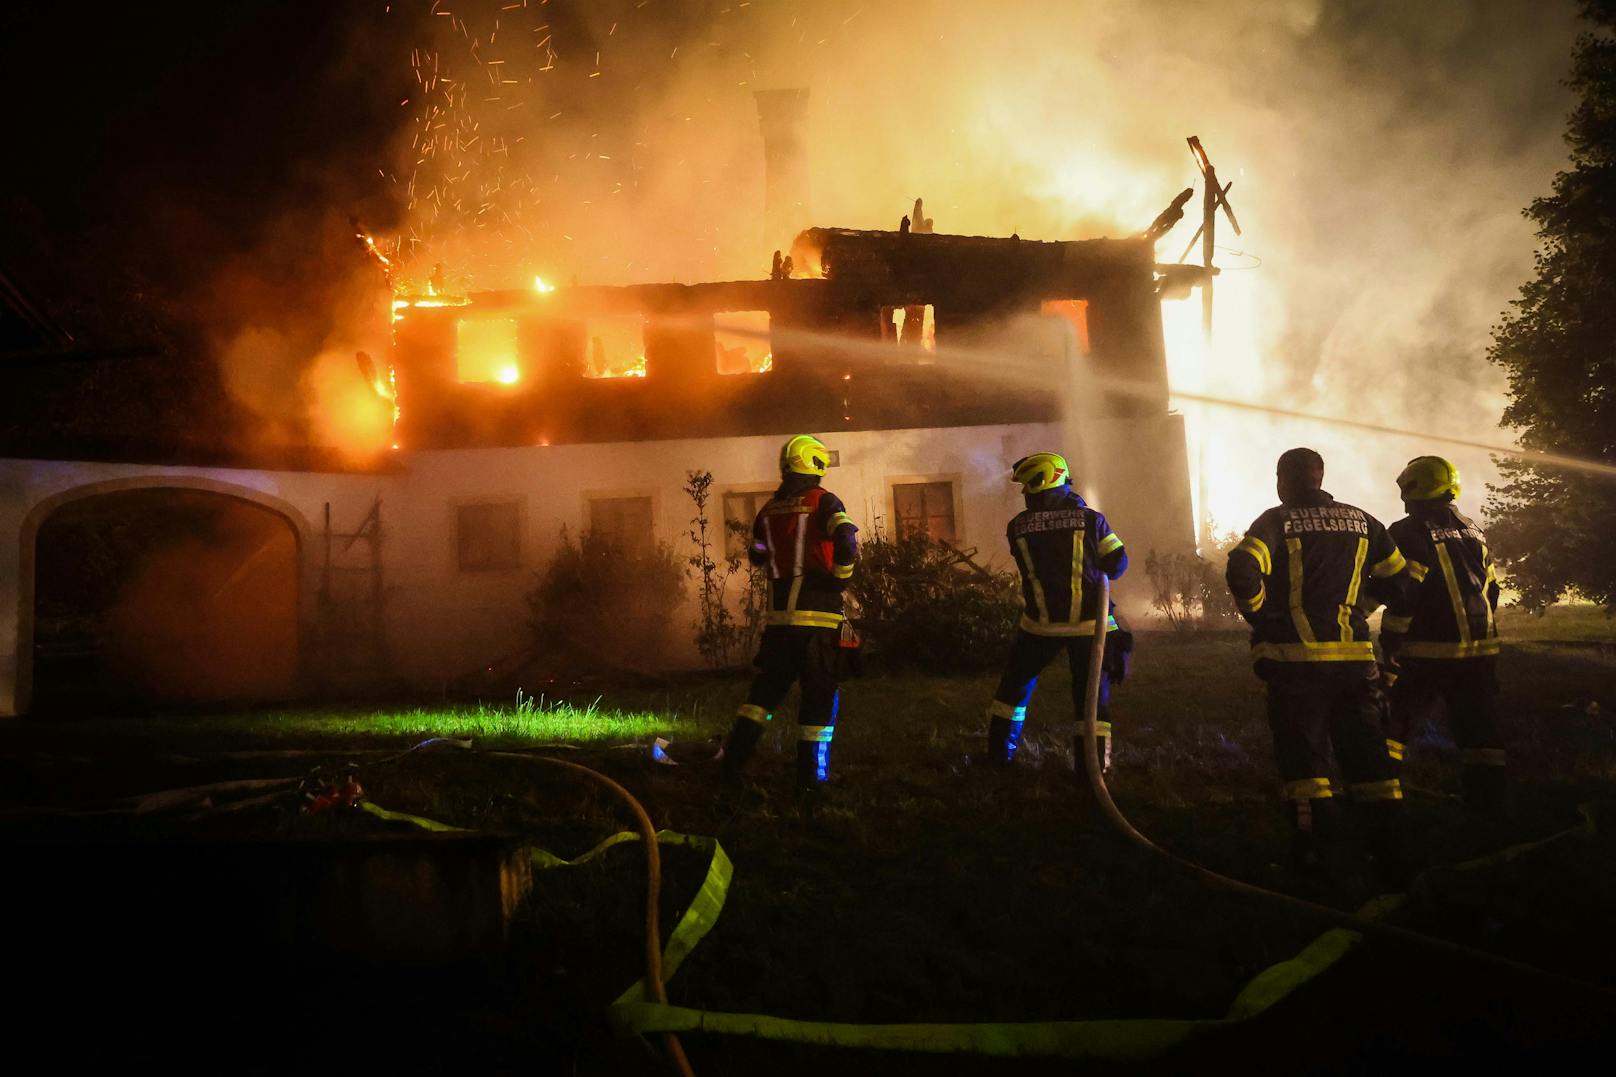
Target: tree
[(1555, 528)]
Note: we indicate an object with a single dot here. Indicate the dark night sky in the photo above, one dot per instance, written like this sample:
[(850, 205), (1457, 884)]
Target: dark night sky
[(142, 131), (184, 173)]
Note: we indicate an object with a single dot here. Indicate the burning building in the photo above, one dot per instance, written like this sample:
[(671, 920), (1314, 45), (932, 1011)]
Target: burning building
[(929, 363)]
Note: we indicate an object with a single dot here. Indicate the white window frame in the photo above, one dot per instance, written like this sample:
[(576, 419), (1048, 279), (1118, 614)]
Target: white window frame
[(740, 488), (957, 488), (655, 496)]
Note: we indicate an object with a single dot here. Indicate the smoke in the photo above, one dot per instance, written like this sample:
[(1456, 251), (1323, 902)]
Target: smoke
[(189, 181), (287, 316), (1381, 154)]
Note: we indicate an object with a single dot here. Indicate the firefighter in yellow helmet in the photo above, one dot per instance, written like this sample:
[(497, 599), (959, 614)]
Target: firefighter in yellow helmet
[(1300, 577), (1061, 547), (807, 544), (1439, 634)]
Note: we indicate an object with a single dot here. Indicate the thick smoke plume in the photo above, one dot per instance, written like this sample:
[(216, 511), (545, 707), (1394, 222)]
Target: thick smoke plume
[(1380, 152)]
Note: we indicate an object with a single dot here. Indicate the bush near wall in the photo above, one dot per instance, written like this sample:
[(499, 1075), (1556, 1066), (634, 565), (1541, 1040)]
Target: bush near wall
[(600, 607), (926, 605), (1188, 590)]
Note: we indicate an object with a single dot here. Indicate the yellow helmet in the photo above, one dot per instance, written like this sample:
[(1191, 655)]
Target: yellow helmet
[(1427, 478), (804, 455), (1041, 471)]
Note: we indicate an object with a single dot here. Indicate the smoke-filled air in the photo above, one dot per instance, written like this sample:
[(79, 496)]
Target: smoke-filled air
[(1380, 154)]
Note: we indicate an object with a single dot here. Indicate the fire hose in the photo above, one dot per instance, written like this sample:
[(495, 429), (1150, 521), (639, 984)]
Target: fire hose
[(653, 891), (641, 1010), (653, 983), (1351, 921)]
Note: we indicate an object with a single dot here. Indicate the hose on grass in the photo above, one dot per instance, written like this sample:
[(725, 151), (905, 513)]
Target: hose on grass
[(653, 890), (1120, 823)]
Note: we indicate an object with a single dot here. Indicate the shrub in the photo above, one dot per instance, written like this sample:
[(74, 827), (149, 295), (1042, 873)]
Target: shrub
[(925, 604), (1189, 591), (603, 607), (721, 631)]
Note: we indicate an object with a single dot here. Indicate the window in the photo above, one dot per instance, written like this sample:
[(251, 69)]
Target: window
[(925, 508), (614, 347), (623, 522), (741, 507), (489, 536), (741, 343), (486, 351), (913, 326), (1074, 312)]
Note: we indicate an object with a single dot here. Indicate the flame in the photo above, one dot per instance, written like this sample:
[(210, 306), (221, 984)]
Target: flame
[(615, 347), (351, 415), (741, 342), (542, 286), (486, 350), (635, 369), (375, 253), (1231, 453)]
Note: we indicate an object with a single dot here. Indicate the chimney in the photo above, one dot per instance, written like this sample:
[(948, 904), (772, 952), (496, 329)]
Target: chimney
[(782, 115)]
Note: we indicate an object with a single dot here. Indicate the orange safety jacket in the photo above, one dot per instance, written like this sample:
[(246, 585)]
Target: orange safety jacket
[(806, 541)]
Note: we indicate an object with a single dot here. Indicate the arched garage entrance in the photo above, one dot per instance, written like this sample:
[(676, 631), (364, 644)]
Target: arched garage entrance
[(163, 596)]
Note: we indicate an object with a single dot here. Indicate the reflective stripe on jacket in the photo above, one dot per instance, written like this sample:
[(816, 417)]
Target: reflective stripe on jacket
[(1447, 606), (1061, 547), (1303, 576), (806, 542)]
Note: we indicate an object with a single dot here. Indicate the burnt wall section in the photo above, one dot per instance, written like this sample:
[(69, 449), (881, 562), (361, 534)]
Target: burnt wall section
[(836, 361)]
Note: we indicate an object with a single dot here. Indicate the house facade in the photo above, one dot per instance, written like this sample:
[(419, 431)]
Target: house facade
[(929, 363)]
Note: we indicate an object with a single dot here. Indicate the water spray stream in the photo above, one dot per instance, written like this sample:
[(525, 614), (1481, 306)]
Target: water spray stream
[(1011, 367)]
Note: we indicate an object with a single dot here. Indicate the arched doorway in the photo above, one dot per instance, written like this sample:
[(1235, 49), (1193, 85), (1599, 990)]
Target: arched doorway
[(163, 596)]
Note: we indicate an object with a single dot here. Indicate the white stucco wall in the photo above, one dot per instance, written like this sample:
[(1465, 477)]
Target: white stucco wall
[(448, 621), (442, 622)]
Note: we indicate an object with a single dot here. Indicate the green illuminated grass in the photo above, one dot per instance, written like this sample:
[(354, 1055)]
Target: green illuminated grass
[(525, 722), (528, 721)]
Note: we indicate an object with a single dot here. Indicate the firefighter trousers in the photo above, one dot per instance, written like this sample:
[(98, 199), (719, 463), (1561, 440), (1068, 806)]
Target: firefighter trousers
[(1467, 689), (787, 655), (1029, 655), (1320, 709)]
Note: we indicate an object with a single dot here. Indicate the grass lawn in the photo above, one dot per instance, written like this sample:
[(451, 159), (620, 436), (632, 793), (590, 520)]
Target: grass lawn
[(927, 890)]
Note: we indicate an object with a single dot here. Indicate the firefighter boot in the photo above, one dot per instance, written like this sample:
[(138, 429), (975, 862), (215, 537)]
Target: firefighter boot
[(1486, 800), (1391, 848), (1004, 737), (1102, 748), (1315, 838), (813, 764), (738, 748), (1486, 791)]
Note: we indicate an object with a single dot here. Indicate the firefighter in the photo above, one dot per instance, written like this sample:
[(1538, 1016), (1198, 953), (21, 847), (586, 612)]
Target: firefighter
[(1440, 631), (808, 545), (1061, 547), (1302, 577)]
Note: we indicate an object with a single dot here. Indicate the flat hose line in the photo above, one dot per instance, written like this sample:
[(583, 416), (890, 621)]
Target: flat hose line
[(637, 1010), (643, 1008), (1351, 921), (653, 891)]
